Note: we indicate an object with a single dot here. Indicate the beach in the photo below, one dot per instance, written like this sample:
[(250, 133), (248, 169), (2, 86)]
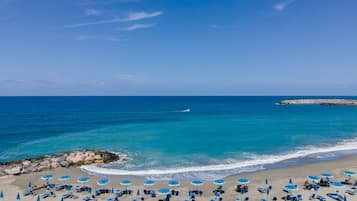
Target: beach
[(11, 185)]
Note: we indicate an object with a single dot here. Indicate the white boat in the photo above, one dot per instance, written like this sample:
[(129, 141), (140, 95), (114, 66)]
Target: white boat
[(186, 110)]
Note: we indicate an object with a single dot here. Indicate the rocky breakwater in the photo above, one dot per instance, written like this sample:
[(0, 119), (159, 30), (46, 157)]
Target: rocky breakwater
[(65, 160), (331, 102)]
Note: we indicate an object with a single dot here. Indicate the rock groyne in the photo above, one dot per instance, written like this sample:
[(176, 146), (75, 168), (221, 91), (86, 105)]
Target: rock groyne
[(66, 159), (331, 102)]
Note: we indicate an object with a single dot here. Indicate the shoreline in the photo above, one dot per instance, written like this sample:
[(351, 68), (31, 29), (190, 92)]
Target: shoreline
[(278, 177)]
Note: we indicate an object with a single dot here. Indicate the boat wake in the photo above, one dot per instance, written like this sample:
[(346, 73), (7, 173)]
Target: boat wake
[(257, 162)]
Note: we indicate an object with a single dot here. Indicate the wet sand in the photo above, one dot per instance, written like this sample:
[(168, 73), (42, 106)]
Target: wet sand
[(277, 178)]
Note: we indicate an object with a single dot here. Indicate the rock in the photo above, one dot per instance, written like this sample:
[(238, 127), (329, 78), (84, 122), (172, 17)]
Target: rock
[(64, 164), (54, 165), (26, 163), (2, 174), (13, 171)]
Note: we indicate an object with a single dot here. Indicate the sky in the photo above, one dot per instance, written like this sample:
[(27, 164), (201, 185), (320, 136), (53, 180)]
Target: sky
[(178, 47)]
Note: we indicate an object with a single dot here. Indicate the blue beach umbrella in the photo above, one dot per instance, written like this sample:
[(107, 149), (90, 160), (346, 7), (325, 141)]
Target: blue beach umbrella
[(18, 196), (349, 173), (243, 181), (163, 191), (290, 187), (103, 182), (83, 180), (219, 182), (196, 182), (47, 177), (64, 178), (1, 195), (326, 175), (126, 183), (313, 178), (174, 183), (149, 183), (38, 198), (337, 185)]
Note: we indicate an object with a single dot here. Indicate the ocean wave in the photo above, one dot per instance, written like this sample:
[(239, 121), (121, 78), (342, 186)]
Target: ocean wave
[(255, 163)]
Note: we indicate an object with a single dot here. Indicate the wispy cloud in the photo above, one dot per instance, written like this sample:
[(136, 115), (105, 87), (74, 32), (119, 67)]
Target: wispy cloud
[(137, 26), (132, 16), (90, 12), (281, 6), (125, 76), (102, 38)]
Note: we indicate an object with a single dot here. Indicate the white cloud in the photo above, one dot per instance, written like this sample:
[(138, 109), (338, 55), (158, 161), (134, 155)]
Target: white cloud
[(90, 12), (103, 38), (125, 76), (132, 16), (137, 26), (281, 6)]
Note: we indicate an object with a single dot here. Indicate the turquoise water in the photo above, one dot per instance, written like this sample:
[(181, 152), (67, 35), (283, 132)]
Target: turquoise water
[(220, 136)]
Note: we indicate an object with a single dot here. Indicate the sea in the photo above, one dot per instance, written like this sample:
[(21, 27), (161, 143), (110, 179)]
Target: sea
[(179, 137)]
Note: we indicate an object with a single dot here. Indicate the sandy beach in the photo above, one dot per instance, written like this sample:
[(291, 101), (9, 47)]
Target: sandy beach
[(11, 185)]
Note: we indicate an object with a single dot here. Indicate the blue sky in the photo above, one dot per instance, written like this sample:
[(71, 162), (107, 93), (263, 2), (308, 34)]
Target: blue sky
[(178, 47)]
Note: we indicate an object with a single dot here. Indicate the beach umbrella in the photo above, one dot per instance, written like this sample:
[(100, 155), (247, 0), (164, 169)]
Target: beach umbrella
[(149, 183), (219, 182), (18, 196), (103, 182), (47, 177), (243, 181), (38, 198), (1, 195), (126, 183), (337, 185), (163, 191), (313, 178), (196, 182), (326, 175), (62, 199), (83, 180), (64, 178), (174, 183), (349, 173), (266, 181), (138, 193), (30, 184), (291, 187)]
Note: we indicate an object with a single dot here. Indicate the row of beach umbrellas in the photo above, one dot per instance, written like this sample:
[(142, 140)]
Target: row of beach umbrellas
[(171, 183)]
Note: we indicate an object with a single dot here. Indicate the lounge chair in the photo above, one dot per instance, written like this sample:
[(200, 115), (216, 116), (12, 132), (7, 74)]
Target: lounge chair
[(335, 196), (317, 197), (262, 190), (29, 192), (351, 191)]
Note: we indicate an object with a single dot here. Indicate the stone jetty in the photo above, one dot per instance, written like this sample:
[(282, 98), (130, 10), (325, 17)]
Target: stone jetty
[(65, 160), (331, 102)]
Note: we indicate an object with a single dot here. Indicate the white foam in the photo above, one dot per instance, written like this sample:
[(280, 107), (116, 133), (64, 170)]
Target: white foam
[(258, 161)]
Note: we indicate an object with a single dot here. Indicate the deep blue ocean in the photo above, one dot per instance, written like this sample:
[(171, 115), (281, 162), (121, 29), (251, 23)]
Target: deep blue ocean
[(218, 137)]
